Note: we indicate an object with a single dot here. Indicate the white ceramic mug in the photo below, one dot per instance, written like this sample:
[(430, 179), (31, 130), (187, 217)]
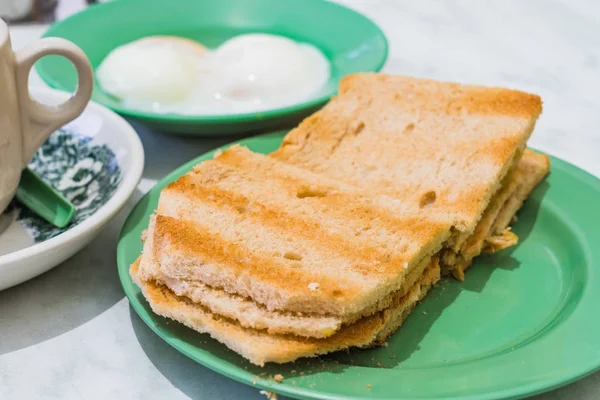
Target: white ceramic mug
[(24, 123)]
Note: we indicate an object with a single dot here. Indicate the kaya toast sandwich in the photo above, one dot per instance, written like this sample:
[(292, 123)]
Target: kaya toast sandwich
[(457, 151), (264, 335), (278, 263)]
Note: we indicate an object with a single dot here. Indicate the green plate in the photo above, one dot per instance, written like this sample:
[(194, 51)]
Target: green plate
[(352, 43), (524, 321)]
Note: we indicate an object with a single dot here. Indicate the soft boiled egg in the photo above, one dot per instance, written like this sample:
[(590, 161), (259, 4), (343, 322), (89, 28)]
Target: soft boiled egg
[(159, 69), (248, 73), (270, 69)]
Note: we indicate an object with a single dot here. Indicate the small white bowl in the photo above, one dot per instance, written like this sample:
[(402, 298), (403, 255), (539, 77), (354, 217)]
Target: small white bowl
[(97, 162)]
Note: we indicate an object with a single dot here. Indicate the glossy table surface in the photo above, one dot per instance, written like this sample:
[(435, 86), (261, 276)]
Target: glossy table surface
[(70, 333)]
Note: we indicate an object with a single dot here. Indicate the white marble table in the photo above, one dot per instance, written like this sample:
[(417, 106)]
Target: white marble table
[(70, 333)]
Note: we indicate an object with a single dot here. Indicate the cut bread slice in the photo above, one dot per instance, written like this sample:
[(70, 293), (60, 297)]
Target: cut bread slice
[(259, 347), (249, 314), (286, 238), (444, 146)]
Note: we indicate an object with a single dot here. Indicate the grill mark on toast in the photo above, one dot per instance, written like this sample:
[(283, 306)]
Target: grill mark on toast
[(411, 232), (281, 221), (368, 259), (346, 203)]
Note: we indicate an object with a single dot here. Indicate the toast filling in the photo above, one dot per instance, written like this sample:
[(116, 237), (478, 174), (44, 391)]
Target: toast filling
[(492, 232)]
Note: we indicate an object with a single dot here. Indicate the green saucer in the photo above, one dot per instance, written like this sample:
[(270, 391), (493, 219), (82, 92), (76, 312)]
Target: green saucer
[(524, 321), (352, 43)]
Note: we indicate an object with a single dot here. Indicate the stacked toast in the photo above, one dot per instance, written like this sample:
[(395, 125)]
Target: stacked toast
[(331, 241)]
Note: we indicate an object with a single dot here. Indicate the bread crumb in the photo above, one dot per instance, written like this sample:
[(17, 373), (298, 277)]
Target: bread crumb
[(313, 286), (144, 235), (424, 312), (270, 395), (368, 386), (385, 344), (218, 152), (379, 363), (278, 378)]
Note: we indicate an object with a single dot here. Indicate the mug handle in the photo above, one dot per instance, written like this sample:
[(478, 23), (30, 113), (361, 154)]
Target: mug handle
[(38, 121)]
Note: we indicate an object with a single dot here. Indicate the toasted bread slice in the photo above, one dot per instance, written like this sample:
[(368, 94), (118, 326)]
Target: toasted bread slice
[(286, 238), (443, 146), (252, 315), (258, 346)]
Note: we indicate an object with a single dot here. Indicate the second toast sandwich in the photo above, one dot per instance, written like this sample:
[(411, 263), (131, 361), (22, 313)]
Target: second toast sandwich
[(447, 147)]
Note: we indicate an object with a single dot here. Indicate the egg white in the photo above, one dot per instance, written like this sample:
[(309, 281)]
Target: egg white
[(247, 73), (148, 71)]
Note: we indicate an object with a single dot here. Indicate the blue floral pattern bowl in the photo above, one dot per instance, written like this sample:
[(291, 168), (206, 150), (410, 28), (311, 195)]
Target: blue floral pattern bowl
[(96, 162), (87, 174)]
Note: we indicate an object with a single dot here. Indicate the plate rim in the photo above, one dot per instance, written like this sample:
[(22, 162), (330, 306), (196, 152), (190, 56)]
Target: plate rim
[(220, 119), (237, 373), (130, 181)]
